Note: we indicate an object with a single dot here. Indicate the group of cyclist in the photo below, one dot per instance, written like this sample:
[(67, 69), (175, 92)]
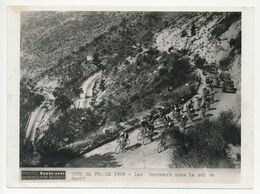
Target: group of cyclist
[(176, 117)]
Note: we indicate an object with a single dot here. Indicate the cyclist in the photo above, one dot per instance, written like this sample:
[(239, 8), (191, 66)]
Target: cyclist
[(183, 120), (203, 110), (151, 116), (148, 126), (163, 137), (190, 105), (177, 109), (212, 96), (207, 102), (123, 138)]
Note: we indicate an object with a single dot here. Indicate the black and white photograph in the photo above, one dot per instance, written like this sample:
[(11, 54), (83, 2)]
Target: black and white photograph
[(130, 89)]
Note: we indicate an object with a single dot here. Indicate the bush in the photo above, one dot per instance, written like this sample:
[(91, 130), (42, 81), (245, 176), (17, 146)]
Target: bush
[(225, 62), (199, 62), (205, 144), (184, 33), (62, 102), (73, 125), (225, 23), (148, 102), (236, 43), (118, 111), (175, 71)]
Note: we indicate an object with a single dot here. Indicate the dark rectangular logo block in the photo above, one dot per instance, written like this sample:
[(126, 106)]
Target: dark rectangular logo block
[(42, 175)]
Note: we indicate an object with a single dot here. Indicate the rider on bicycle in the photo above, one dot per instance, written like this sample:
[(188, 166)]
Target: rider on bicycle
[(148, 126), (212, 96), (123, 138), (163, 137)]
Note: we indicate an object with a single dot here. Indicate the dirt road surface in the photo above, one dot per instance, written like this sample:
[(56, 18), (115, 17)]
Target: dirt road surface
[(146, 156), (35, 119), (87, 87), (135, 156)]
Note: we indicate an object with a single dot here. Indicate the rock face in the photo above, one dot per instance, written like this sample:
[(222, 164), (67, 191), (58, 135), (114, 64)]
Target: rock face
[(205, 41)]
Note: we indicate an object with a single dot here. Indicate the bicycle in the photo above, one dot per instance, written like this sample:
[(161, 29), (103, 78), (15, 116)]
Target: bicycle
[(140, 134), (161, 146), (147, 137), (203, 112), (122, 146)]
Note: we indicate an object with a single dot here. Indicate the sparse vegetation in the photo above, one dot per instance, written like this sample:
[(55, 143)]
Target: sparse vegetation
[(199, 62), (225, 62), (235, 43), (225, 23), (136, 76), (73, 125), (28, 102), (206, 143)]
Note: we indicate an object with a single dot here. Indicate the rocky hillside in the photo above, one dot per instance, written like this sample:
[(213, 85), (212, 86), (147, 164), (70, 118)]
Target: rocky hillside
[(147, 59), (214, 37), (47, 37)]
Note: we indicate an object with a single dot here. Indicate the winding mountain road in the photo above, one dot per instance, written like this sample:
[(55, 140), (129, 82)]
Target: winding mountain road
[(87, 94), (41, 113), (138, 155)]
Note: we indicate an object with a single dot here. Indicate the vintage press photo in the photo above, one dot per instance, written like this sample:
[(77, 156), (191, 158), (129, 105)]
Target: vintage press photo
[(129, 98)]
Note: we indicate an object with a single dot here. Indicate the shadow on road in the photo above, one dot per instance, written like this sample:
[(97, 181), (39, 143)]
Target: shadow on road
[(95, 161), (135, 146), (208, 115)]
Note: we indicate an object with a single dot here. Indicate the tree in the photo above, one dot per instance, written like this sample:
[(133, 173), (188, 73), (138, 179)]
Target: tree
[(77, 91), (193, 29), (184, 33), (199, 62), (62, 102), (96, 59)]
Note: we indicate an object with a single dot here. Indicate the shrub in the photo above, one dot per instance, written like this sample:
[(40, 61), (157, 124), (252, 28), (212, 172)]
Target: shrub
[(73, 125), (225, 23), (225, 62), (236, 43), (118, 111), (193, 29), (205, 144), (148, 102), (62, 102), (184, 33), (199, 62)]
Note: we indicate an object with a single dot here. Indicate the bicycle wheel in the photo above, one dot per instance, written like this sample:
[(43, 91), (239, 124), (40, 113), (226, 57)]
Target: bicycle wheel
[(118, 148), (139, 136), (127, 143), (160, 147), (145, 139)]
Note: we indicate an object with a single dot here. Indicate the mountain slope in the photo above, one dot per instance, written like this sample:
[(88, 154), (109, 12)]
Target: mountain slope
[(144, 59), (47, 37)]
